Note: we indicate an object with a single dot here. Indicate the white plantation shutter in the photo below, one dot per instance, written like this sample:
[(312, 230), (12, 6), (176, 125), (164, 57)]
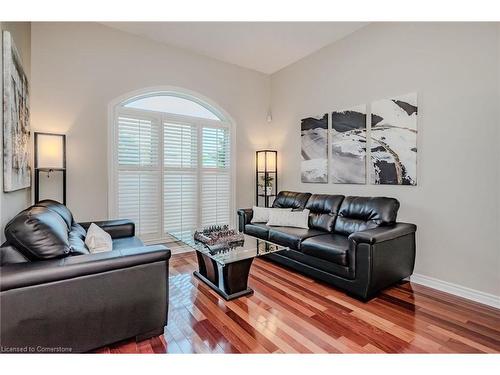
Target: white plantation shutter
[(180, 183), (216, 182), (138, 200), (180, 145), (172, 172), (137, 141), (139, 173), (215, 198), (216, 148)]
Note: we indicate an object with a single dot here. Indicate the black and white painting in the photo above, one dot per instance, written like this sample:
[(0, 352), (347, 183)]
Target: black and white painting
[(394, 140), (348, 157), (314, 149), (16, 120)]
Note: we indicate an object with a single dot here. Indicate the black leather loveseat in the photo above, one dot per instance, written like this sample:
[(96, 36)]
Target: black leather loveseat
[(353, 243), (57, 297)]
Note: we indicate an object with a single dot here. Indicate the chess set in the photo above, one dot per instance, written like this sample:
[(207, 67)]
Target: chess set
[(219, 238)]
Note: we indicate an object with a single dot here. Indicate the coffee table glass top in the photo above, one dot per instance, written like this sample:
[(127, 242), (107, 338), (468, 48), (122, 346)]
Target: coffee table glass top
[(252, 247)]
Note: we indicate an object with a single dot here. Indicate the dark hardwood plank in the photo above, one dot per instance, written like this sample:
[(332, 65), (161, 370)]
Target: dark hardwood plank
[(291, 313)]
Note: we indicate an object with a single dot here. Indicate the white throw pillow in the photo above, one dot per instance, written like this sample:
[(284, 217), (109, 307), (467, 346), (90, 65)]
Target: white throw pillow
[(261, 214), (98, 240), (295, 219)]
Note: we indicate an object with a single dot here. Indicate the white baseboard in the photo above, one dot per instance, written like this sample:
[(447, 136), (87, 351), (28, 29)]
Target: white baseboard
[(458, 290)]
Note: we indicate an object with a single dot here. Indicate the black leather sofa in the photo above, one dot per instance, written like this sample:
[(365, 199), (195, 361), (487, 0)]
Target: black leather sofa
[(57, 297), (353, 243)]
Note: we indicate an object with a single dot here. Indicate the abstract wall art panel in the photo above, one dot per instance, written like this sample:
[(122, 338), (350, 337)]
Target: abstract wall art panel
[(16, 120), (314, 149), (394, 140), (348, 156)]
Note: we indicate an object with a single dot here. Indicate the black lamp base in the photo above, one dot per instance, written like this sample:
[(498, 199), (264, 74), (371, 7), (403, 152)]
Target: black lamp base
[(37, 182)]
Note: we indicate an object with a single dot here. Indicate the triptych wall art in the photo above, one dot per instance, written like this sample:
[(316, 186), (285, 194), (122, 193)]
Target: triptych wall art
[(391, 139), (394, 141), (314, 149), (348, 158)]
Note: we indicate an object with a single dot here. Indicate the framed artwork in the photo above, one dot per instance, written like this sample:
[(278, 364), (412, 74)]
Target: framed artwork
[(16, 120), (314, 149), (394, 140), (348, 156)]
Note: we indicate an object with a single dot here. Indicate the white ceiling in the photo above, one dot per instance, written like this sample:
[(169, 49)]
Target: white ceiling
[(263, 46)]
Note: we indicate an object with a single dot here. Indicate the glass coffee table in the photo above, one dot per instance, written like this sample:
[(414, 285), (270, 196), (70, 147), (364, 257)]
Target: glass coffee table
[(226, 271)]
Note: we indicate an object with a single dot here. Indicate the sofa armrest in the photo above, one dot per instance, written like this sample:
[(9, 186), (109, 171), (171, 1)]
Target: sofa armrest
[(381, 234), (21, 275), (116, 228), (244, 217)]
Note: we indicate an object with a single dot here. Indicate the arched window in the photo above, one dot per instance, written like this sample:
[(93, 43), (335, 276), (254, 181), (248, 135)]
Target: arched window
[(171, 164)]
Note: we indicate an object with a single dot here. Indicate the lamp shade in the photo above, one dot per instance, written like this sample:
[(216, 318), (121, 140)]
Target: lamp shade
[(50, 151), (266, 161)]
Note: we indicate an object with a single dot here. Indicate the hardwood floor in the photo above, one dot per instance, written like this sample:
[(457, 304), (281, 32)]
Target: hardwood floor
[(291, 313)]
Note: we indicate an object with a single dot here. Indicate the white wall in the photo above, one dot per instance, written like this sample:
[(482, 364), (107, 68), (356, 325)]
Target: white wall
[(13, 202), (454, 69), (78, 68)]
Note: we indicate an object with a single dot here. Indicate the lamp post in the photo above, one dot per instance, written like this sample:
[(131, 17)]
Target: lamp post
[(266, 175)]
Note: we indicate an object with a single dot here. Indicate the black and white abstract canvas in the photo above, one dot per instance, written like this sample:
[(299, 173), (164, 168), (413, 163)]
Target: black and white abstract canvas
[(348, 157), (16, 120), (314, 149), (394, 140)]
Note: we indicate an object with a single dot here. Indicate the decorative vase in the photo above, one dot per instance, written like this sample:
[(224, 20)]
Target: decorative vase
[(269, 190)]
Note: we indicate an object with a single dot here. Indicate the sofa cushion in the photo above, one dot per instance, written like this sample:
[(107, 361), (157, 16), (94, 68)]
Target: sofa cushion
[(39, 233), (259, 230), (291, 237), (362, 213), (77, 244), (59, 208), (283, 218), (127, 243), (291, 199), (323, 211), (303, 261), (331, 247), (98, 240), (78, 230), (261, 214)]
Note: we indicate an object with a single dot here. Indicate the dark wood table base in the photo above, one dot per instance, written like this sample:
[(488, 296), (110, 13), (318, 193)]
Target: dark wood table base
[(229, 281)]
